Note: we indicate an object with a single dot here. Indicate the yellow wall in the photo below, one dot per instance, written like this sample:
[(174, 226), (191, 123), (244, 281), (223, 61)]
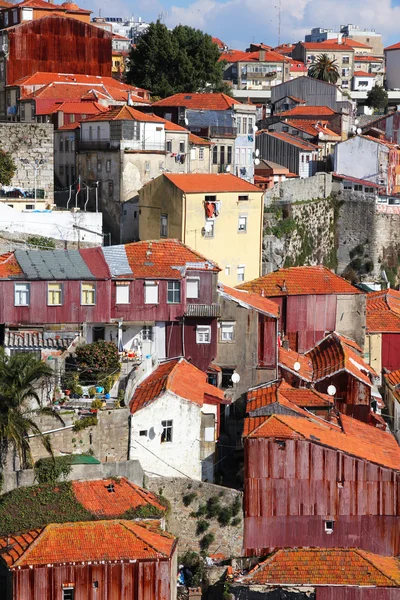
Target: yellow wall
[(373, 351), (186, 219)]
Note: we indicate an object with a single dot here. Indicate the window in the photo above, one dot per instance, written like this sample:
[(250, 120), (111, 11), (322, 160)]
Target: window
[(22, 293), (193, 153), (242, 226), (358, 187), (90, 132), (147, 166), (201, 153), (88, 294), (174, 292), (169, 145), (68, 594), (244, 130), (66, 145), (215, 155), (229, 156), (98, 132), (61, 144), (6, 19), (285, 128), (151, 292), (166, 435), (250, 127), (73, 145), (329, 526), (203, 334), (99, 166), (227, 331), (108, 166), (192, 288), (143, 432), (29, 206), (182, 146), (222, 155), (209, 228), (161, 165), (240, 273), (308, 158), (164, 226), (239, 125), (22, 110), (122, 293), (227, 378), (242, 198), (61, 169), (227, 270), (147, 333), (345, 60), (54, 294), (110, 188)]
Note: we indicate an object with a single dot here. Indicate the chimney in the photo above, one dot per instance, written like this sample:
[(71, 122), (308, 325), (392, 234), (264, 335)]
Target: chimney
[(340, 38), (261, 55), (285, 344)]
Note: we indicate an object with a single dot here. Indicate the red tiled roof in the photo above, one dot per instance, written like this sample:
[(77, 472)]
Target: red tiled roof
[(96, 498), (198, 141), (296, 66), (77, 108), (233, 56), (288, 358), (308, 111), (329, 567), (202, 183), (383, 311), (312, 127), (9, 266), (327, 45), (393, 377), (95, 261), (367, 58), (353, 437), (393, 47), (74, 125), (363, 74), (68, 6), (169, 125), (125, 113), (300, 281), (355, 180), (345, 40), (291, 139), (5, 4), (87, 541), (219, 42), (178, 377), (160, 259), (284, 48), (251, 300), (283, 393), (217, 101)]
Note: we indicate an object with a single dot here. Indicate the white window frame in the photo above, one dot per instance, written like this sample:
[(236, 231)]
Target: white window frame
[(191, 283), (227, 331), (242, 224), (203, 334), (93, 289), (153, 287), (174, 287), (25, 290), (167, 425), (241, 273), (60, 290), (124, 293)]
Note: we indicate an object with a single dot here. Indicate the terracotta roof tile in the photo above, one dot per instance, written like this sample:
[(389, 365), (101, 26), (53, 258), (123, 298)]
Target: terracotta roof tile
[(329, 567), (89, 541), (345, 40), (161, 259), (233, 56), (77, 108), (312, 127), (284, 394), (393, 47), (308, 111), (296, 66), (299, 281), (367, 58), (291, 139), (355, 180), (353, 437), (202, 183), (393, 377), (125, 113), (328, 45), (178, 377), (196, 101), (383, 311), (363, 74), (198, 141), (96, 498), (9, 266), (250, 299), (288, 358)]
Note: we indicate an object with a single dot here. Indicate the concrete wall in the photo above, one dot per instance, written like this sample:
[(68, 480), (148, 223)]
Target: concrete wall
[(392, 69), (54, 224), (351, 317), (228, 540), (362, 158), (300, 190), (28, 143)]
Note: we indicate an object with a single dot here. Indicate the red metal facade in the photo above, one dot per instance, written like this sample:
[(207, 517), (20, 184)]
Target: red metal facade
[(291, 489), (391, 351), (353, 593), (267, 342), (149, 580), (57, 45), (181, 341), (352, 396)]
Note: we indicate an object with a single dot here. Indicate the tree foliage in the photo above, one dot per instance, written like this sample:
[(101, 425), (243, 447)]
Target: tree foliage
[(19, 378), (169, 62), (377, 98), (324, 69), (96, 361), (7, 168)]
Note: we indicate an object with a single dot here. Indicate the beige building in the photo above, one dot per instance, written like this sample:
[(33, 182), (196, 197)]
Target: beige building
[(199, 155), (342, 53), (220, 216)]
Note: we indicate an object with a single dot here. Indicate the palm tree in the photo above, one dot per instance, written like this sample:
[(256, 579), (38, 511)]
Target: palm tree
[(19, 377), (324, 69)]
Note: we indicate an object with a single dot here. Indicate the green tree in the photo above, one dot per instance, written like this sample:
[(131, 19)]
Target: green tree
[(97, 361), (182, 60), (19, 378), (7, 168), (377, 98), (324, 69)]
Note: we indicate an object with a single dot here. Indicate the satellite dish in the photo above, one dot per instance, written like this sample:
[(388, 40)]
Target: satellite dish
[(297, 366), (256, 161), (321, 135), (235, 377), (255, 128), (228, 168), (356, 122), (359, 130), (353, 128), (257, 152), (158, 429), (331, 390)]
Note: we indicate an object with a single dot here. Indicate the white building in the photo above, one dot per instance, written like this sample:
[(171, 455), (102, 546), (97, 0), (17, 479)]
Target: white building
[(175, 417), (392, 57), (363, 81)]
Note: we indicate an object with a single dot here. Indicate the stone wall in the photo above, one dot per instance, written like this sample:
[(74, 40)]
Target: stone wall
[(300, 190), (27, 143), (228, 540)]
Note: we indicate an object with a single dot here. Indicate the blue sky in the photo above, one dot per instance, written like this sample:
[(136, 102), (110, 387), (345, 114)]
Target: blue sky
[(239, 22)]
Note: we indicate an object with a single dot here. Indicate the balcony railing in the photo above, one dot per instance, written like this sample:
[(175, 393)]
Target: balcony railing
[(23, 193), (98, 145), (216, 131), (113, 145)]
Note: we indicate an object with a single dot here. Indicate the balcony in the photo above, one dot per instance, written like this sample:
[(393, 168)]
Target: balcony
[(97, 145), (23, 193), (224, 132), (115, 145)]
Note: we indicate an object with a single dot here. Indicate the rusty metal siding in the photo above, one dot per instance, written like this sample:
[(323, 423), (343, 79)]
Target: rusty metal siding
[(352, 593), (201, 355), (309, 317), (142, 580), (267, 346), (290, 491), (391, 351), (352, 397), (58, 45)]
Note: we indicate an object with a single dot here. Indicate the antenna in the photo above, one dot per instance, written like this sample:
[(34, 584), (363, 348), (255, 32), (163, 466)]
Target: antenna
[(279, 22)]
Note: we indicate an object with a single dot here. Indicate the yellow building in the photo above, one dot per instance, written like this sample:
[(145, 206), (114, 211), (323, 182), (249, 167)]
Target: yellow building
[(220, 216)]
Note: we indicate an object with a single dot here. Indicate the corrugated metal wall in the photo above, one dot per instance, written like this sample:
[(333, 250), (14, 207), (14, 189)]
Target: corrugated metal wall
[(391, 351), (349, 593)]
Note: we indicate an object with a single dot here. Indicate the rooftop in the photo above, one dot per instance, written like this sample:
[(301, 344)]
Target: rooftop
[(291, 139), (65, 6), (352, 437), (178, 377), (393, 378), (279, 391), (287, 360), (195, 101), (233, 56), (327, 45), (313, 128), (383, 311), (393, 47), (355, 180), (85, 542), (300, 281), (203, 183), (125, 113), (249, 300), (363, 74), (312, 111), (198, 141), (323, 566)]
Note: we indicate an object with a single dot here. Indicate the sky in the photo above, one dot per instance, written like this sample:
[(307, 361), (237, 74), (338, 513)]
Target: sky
[(240, 22)]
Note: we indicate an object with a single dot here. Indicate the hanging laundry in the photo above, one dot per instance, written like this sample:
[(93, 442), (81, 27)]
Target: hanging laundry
[(178, 158), (218, 207), (210, 210), (183, 156)]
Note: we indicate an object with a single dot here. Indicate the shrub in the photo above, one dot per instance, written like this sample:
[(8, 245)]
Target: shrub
[(206, 541), (84, 423), (236, 506), (40, 241), (202, 510), (202, 526), (97, 403), (213, 507), (52, 469), (236, 521), (225, 515), (187, 499), (97, 361), (194, 562)]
